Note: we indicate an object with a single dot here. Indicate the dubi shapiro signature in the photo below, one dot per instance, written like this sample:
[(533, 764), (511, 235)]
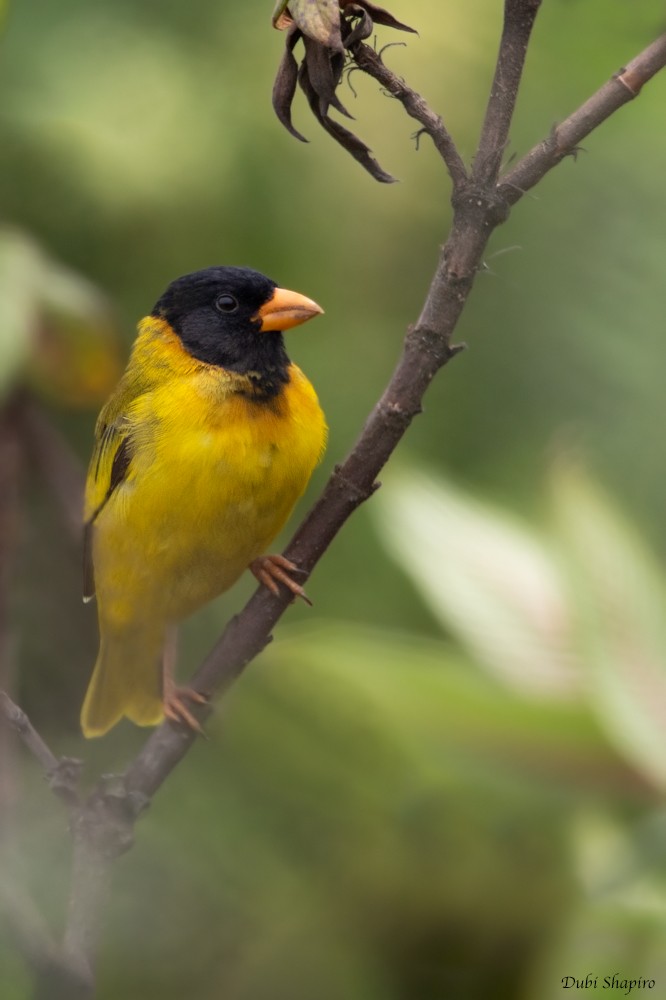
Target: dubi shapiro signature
[(614, 982)]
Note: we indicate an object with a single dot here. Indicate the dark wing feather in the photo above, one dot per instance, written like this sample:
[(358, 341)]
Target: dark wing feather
[(109, 439)]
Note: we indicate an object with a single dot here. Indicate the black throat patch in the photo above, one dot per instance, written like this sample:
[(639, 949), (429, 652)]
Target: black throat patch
[(215, 314)]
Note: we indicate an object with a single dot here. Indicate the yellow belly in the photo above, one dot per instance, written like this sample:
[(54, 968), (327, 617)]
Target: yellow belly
[(211, 483)]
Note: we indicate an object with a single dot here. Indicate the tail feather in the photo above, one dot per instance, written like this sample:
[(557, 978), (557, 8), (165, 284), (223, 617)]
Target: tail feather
[(126, 681)]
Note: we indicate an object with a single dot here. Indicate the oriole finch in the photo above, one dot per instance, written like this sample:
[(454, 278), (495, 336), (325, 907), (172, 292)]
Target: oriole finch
[(200, 455)]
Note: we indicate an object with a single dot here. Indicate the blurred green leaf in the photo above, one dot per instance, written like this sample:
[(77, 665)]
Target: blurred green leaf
[(490, 580), (78, 359), (55, 327), (620, 602), (19, 261), (431, 707)]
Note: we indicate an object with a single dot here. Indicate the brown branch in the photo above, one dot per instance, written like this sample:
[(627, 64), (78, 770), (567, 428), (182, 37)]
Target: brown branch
[(564, 139), (89, 889), (519, 17), (103, 829), (370, 62)]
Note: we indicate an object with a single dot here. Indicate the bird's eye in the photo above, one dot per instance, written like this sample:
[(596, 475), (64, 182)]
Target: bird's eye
[(226, 304)]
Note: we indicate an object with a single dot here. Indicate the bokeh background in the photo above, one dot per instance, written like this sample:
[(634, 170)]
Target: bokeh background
[(445, 780)]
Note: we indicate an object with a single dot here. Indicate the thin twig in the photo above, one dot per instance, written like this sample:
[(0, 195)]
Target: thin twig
[(62, 772), (416, 107), (519, 17), (20, 722), (623, 87)]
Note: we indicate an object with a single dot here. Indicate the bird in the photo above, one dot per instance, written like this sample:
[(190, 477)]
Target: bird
[(200, 455)]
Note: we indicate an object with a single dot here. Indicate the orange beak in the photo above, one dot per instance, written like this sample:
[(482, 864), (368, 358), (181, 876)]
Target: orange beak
[(286, 309)]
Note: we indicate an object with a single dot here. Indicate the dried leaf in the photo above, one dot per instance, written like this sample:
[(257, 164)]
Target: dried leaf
[(343, 136), (378, 15), (319, 20), (353, 35), (284, 87), (327, 33), (358, 150), (325, 71)]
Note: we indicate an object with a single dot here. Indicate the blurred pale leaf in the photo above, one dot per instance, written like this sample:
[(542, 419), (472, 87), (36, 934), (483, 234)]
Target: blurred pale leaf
[(620, 599), (19, 262), (491, 581)]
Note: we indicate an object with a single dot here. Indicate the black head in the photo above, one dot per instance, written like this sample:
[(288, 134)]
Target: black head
[(215, 314)]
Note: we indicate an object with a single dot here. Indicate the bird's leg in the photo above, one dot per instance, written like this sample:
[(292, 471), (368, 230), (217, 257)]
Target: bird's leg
[(173, 697), (271, 570)]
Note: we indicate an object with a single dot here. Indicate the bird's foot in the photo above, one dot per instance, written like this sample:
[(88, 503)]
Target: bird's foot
[(271, 570), (173, 705)]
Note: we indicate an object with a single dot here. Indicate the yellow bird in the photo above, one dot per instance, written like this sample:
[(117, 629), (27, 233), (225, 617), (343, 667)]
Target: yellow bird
[(200, 455)]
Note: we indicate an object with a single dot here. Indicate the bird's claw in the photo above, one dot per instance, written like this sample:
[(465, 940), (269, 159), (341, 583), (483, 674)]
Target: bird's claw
[(173, 705), (271, 570)]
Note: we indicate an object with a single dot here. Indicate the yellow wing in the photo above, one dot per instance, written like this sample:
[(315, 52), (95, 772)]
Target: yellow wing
[(126, 679), (109, 465)]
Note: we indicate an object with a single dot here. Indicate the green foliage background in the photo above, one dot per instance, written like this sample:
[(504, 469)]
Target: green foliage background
[(380, 813)]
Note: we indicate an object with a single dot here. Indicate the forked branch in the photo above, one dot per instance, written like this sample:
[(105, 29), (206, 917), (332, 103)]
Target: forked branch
[(427, 347)]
